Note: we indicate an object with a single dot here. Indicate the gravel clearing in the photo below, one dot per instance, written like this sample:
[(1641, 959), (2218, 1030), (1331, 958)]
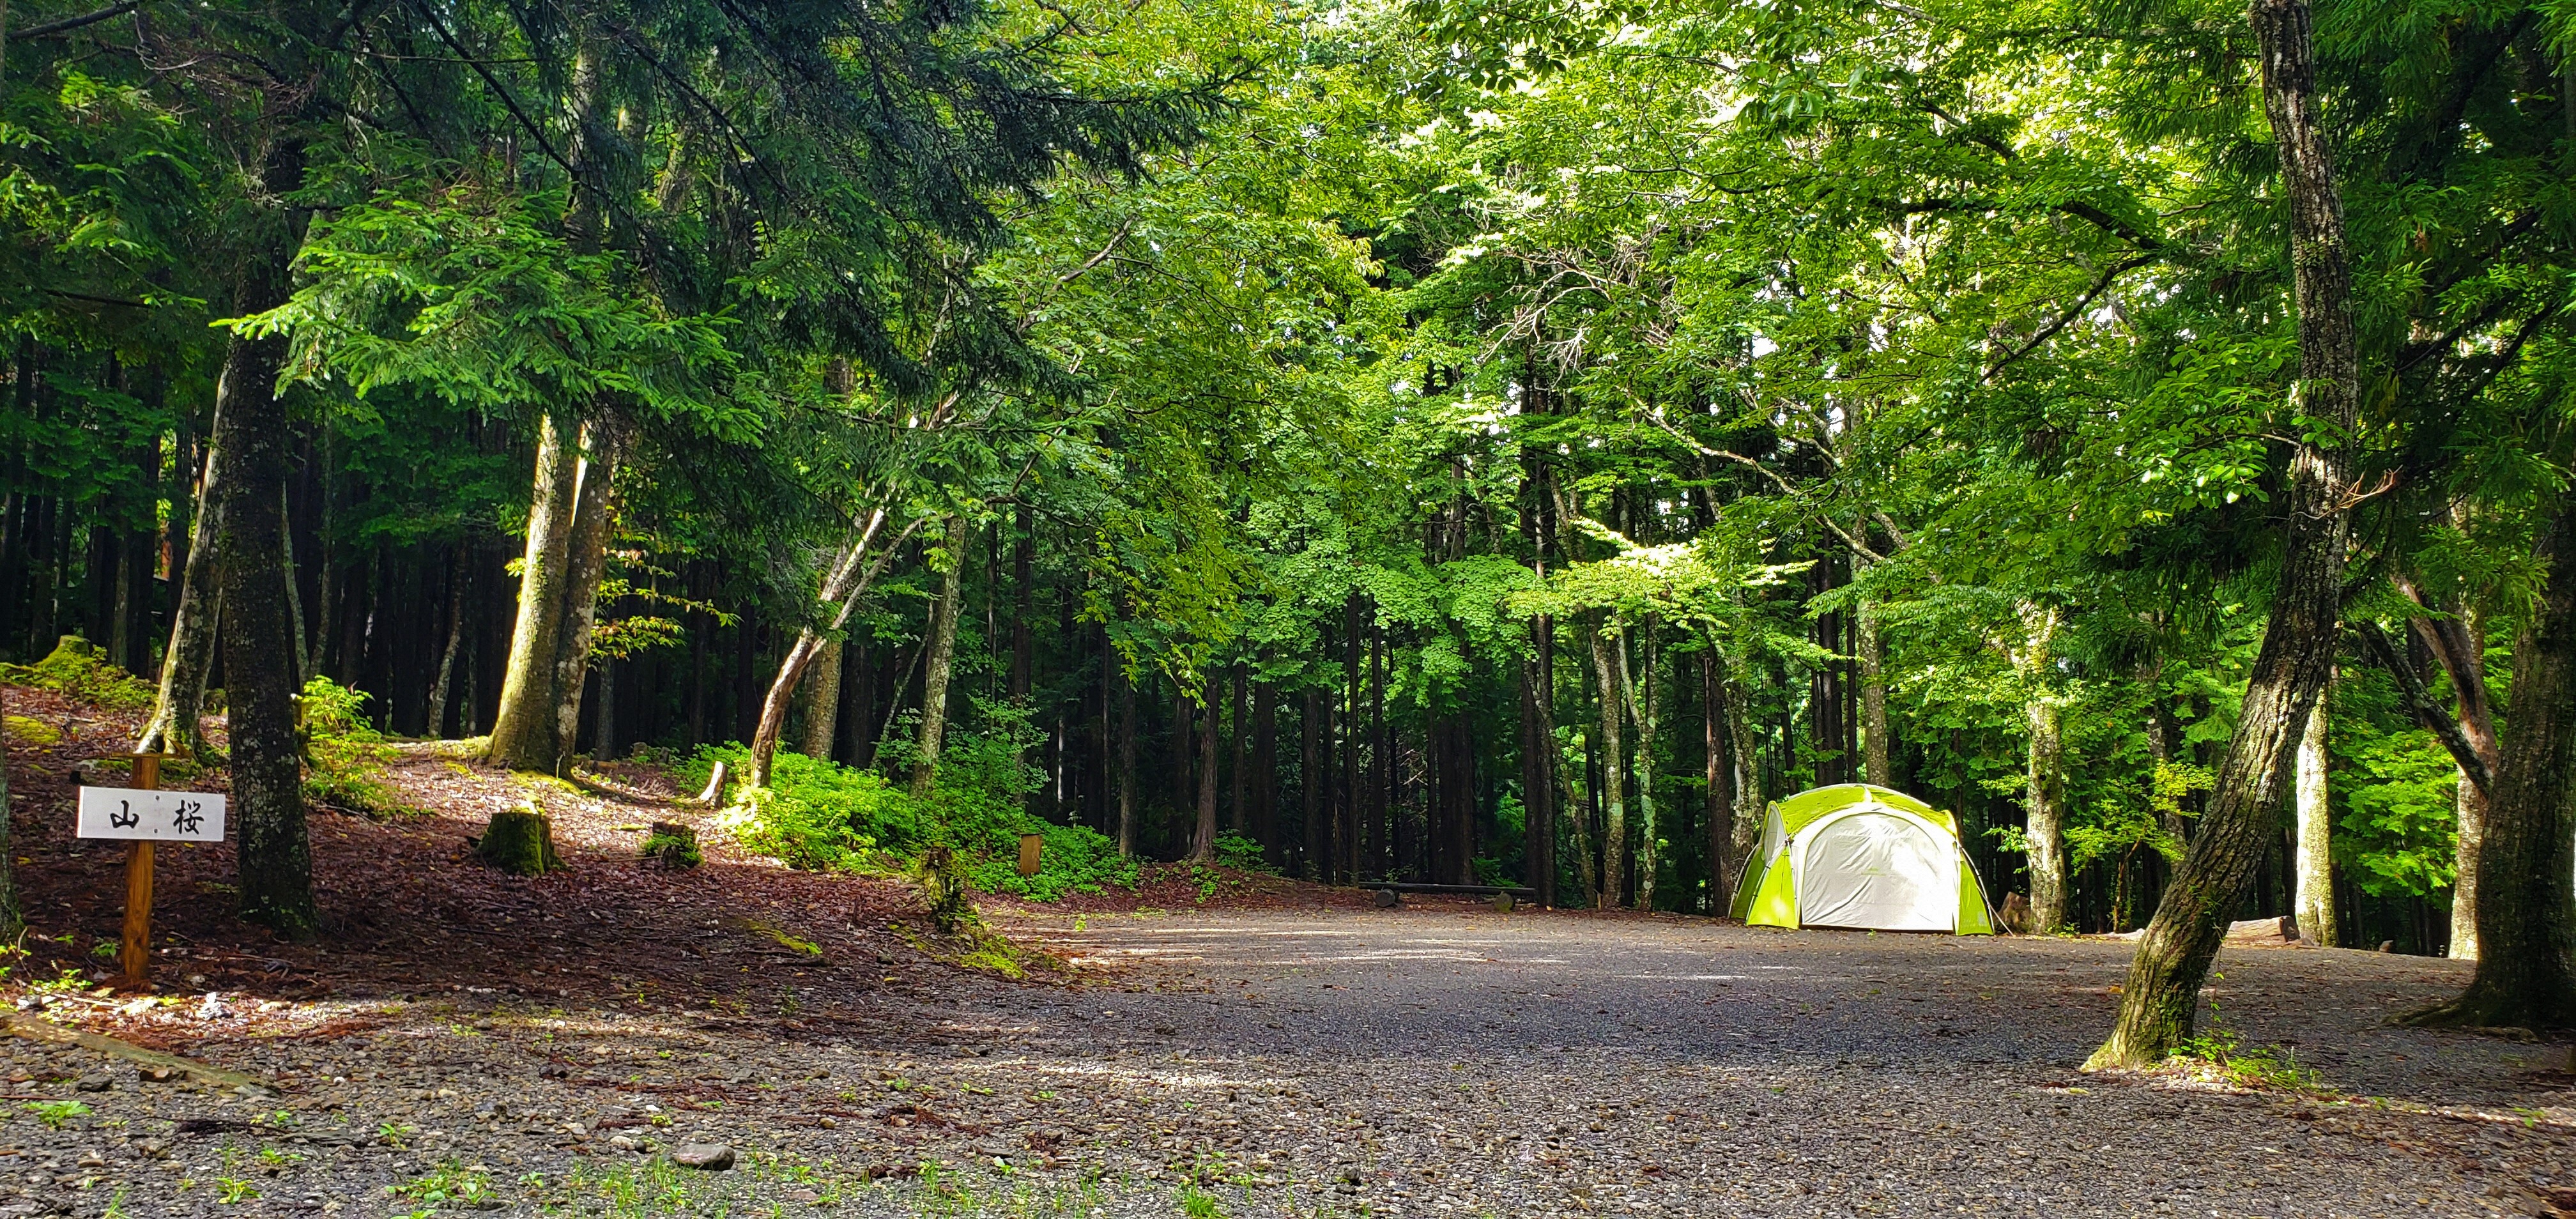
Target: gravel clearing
[(1433, 1060)]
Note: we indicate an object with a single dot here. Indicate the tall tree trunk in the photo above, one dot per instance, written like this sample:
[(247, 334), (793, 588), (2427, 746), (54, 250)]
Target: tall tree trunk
[(1642, 706), (1126, 690), (1538, 779), (1239, 819), (1717, 794), (1610, 669), (179, 706), (2158, 1002), (456, 581), (943, 654), (523, 734), (2526, 882), (2313, 904), (275, 855), (2044, 829), (2457, 642), (1873, 701), (1749, 802), (12, 924), (585, 568), (1203, 836), (1579, 834), (1265, 764), (1311, 783), (822, 699)]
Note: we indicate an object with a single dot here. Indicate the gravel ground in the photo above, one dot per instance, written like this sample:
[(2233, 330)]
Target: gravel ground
[(1435, 1060)]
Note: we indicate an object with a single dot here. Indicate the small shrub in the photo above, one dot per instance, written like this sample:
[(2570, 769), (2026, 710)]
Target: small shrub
[(53, 1113), (344, 754), (76, 668), (1240, 853)]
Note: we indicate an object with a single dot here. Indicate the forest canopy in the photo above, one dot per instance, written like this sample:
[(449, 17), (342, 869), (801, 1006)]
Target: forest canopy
[(1464, 441)]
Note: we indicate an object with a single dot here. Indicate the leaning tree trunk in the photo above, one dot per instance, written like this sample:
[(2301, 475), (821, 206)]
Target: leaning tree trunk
[(2158, 1003), (1609, 666), (523, 733), (943, 653), (179, 707), (585, 568), (2044, 829), (1203, 837), (2526, 909), (843, 586), (2312, 901), (275, 855), (455, 640)]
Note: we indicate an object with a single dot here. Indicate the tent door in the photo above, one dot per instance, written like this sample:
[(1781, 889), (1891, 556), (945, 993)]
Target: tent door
[(1878, 870)]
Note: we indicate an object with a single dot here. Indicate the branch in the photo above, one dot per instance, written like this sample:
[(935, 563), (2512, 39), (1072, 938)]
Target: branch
[(2101, 284), (2419, 700), (68, 24)]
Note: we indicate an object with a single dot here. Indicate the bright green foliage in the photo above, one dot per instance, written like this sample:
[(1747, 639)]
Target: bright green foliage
[(344, 754)]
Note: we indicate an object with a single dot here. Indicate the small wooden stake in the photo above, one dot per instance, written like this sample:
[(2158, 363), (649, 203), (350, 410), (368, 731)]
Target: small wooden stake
[(135, 955)]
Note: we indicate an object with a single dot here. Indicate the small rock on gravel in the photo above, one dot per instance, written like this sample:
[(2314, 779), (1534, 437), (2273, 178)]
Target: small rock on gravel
[(711, 1157)]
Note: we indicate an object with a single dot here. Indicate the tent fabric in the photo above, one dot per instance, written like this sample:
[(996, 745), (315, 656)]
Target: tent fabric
[(1860, 856)]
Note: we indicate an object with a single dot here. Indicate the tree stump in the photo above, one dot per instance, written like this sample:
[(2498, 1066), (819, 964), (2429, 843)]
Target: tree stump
[(520, 841), (672, 844)]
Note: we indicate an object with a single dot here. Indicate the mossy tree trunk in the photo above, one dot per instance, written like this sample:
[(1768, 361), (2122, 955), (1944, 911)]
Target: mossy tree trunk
[(523, 731), (943, 655), (275, 855), (2158, 1002), (178, 708), (2312, 901), (2526, 907)]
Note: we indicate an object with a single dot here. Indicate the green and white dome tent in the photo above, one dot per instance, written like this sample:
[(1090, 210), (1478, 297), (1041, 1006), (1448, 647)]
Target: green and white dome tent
[(1854, 855)]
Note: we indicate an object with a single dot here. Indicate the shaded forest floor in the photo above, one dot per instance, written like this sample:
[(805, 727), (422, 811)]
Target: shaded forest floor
[(1213, 1045)]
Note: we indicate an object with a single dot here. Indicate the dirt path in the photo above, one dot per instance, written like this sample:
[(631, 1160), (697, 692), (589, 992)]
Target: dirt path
[(1439, 1060), (1432, 1061)]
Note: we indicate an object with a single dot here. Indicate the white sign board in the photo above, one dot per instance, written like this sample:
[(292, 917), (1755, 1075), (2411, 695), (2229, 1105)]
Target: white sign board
[(152, 816)]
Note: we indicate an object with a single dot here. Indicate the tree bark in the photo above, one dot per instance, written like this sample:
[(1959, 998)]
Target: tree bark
[(2045, 827), (1717, 793), (843, 586), (943, 654), (1311, 783), (464, 567), (1642, 709), (1873, 701), (2313, 904), (1203, 836), (1126, 756), (585, 568), (274, 853), (1538, 779), (2526, 882), (11, 922), (1265, 763), (179, 707), (822, 698), (1610, 667), (1238, 819), (2159, 1000), (523, 732)]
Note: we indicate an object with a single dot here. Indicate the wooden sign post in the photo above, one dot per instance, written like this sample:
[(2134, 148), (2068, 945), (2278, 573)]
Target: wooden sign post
[(144, 815)]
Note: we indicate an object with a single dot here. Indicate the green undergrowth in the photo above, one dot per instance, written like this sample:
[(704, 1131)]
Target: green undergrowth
[(2220, 1055), (823, 816), (344, 754), (76, 668)]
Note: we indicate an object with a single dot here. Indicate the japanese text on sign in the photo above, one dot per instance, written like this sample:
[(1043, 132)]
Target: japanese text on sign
[(155, 816)]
